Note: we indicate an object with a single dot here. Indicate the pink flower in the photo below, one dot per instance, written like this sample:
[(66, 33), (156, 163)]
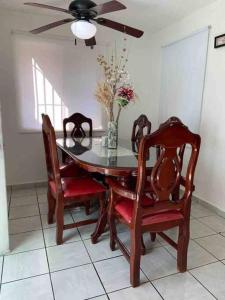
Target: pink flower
[(126, 93)]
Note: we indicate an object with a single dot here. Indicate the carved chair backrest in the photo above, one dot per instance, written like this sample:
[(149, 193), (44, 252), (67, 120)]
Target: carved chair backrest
[(51, 155), (139, 126), (166, 172), (77, 120), (173, 120)]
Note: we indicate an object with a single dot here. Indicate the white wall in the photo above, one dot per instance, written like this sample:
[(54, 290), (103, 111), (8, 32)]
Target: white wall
[(24, 152), (4, 241), (210, 176)]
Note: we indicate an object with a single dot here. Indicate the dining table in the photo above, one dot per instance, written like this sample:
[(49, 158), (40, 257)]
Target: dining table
[(90, 154)]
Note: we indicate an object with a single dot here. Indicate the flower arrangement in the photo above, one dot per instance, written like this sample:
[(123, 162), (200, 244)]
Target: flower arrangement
[(125, 95), (116, 87)]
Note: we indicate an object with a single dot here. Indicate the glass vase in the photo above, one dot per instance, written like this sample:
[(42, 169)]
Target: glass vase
[(112, 135)]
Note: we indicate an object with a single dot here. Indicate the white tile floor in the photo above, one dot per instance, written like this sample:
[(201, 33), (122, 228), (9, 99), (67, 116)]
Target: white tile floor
[(38, 269)]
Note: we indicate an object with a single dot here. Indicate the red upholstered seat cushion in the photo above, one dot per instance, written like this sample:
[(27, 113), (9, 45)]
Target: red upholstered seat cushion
[(125, 209), (75, 187)]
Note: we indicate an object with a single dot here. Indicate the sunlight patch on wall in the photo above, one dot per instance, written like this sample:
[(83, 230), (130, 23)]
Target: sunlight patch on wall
[(47, 100)]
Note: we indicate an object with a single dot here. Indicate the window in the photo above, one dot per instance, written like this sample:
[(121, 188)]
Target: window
[(55, 77)]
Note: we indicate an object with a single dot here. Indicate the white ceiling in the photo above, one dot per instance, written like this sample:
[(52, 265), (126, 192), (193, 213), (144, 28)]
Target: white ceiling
[(147, 14)]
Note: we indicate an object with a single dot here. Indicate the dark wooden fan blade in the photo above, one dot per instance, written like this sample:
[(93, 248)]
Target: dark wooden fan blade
[(48, 7), (120, 27), (91, 42), (108, 7), (51, 25)]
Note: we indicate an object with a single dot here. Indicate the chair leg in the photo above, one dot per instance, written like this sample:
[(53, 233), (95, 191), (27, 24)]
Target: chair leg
[(135, 258), (113, 232), (143, 248), (51, 207), (183, 241), (153, 236), (59, 221), (112, 225), (87, 207)]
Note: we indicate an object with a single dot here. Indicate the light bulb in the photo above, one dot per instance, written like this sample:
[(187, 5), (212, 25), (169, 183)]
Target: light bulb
[(83, 29)]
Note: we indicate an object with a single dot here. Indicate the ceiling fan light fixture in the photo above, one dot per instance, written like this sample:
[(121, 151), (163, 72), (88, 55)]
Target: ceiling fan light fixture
[(83, 29)]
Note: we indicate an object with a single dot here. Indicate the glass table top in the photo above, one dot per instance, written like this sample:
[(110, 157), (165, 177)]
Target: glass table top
[(91, 151)]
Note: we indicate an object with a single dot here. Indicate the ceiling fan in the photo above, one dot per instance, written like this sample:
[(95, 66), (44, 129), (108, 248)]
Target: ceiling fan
[(83, 12)]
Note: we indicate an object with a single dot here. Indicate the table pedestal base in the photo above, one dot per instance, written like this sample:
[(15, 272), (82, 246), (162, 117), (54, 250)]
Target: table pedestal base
[(101, 223)]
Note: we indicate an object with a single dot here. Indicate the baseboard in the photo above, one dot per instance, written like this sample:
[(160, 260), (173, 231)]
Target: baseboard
[(5, 252), (28, 185), (209, 206)]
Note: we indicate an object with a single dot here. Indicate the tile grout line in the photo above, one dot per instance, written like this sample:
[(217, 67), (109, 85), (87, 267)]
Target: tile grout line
[(209, 251), (149, 281), (26, 251), (69, 268), (95, 270), (67, 243), (3, 257), (209, 226), (25, 231), (1, 277), (36, 215), (53, 293), (202, 285), (128, 287), (217, 260), (21, 279), (91, 260)]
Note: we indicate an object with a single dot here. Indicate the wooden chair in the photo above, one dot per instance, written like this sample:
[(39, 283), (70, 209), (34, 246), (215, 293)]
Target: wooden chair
[(65, 191), (139, 126), (77, 120), (128, 206)]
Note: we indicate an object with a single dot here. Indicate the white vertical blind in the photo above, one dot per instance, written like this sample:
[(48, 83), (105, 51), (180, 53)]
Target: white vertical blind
[(182, 79), (55, 77)]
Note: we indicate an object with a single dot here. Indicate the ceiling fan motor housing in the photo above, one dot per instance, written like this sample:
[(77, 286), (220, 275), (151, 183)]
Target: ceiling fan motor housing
[(82, 9)]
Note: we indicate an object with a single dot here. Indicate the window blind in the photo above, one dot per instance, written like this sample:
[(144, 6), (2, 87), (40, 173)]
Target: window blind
[(182, 79), (56, 77)]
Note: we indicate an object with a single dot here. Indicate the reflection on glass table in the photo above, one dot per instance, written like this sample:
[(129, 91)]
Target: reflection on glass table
[(92, 156)]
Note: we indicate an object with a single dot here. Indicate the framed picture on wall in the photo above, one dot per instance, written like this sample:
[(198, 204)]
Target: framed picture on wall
[(219, 41)]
